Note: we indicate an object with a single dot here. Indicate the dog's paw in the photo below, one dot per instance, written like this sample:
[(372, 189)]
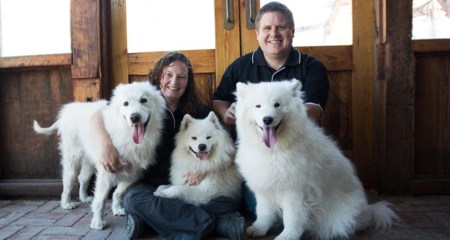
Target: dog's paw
[(97, 224), (118, 211), (88, 199), (163, 187), (68, 205), (254, 232), (159, 193)]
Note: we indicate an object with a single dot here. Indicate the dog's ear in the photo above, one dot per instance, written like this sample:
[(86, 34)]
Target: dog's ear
[(296, 87), (213, 118), (187, 119), (240, 90)]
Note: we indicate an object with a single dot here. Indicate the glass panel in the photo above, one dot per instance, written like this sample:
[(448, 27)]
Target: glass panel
[(431, 19), (155, 25), (30, 27), (321, 22)]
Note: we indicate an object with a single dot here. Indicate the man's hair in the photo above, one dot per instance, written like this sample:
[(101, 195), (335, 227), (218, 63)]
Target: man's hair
[(190, 101), (275, 7)]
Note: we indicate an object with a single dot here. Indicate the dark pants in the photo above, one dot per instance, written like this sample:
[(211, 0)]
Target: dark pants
[(173, 218)]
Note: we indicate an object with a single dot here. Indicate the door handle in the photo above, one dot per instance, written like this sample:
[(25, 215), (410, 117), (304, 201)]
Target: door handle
[(250, 10), (228, 14)]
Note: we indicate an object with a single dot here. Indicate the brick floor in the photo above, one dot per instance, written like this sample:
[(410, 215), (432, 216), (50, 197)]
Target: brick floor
[(423, 218)]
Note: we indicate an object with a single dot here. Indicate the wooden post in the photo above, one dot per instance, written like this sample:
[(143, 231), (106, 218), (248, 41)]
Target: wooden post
[(85, 33)]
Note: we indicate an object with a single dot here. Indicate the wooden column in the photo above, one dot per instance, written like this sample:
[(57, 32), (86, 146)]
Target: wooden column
[(395, 98), (363, 89), (85, 33)]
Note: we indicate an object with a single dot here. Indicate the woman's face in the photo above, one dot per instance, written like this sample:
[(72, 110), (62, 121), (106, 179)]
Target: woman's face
[(174, 80)]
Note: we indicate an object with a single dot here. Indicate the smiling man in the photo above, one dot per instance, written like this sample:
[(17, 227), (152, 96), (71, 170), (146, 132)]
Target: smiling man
[(274, 60)]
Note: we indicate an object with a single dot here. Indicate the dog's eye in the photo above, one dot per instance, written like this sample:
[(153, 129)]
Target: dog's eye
[(258, 106), (143, 100), (276, 105), (125, 104), (208, 137), (194, 138)]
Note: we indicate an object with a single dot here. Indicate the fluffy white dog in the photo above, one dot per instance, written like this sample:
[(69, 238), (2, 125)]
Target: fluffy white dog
[(133, 120), (202, 146), (295, 170)]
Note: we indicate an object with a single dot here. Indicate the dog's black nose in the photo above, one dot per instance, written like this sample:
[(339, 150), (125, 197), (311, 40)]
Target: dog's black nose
[(135, 117), (267, 120), (202, 147)]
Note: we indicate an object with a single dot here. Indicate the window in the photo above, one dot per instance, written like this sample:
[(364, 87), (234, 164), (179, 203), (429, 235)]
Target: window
[(155, 25), (30, 27), (431, 19), (321, 22)]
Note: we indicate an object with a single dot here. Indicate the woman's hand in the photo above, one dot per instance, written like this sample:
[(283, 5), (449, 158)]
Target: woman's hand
[(194, 178), (109, 157)]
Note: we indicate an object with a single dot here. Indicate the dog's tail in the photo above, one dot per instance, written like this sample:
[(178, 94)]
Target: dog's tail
[(379, 214), (47, 131)]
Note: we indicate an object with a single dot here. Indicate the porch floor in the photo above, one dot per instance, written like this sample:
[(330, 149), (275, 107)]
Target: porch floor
[(423, 217)]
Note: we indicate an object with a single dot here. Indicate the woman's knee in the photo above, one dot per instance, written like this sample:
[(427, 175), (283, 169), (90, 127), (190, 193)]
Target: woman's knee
[(135, 194)]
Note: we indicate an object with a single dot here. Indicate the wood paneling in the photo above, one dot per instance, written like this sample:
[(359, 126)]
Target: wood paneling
[(432, 124), (202, 61), (25, 96), (337, 120)]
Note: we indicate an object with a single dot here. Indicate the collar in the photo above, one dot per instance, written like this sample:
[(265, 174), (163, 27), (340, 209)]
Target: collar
[(295, 57)]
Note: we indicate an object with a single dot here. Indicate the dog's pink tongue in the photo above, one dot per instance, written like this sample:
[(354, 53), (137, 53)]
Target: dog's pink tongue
[(138, 133), (202, 155), (269, 136)]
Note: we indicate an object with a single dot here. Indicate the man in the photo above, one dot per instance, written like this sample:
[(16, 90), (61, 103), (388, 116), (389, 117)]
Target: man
[(274, 60)]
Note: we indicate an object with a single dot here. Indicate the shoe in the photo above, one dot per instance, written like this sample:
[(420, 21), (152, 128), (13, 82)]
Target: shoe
[(232, 226), (135, 226)]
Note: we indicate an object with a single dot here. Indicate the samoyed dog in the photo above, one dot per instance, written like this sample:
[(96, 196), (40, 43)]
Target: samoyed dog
[(296, 172), (202, 146), (133, 120)]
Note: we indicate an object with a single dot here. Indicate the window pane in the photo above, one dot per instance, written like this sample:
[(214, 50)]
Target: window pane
[(431, 19), (320, 22), (155, 25), (30, 27)]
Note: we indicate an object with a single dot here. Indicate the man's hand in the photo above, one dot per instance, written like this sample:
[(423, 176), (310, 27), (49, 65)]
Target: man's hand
[(230, 115)]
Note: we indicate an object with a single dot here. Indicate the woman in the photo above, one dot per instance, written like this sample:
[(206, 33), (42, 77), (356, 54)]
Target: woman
[(171, 218)]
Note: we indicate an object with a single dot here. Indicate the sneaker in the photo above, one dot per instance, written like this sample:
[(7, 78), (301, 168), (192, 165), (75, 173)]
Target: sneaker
[(135, 226), (232, 226)]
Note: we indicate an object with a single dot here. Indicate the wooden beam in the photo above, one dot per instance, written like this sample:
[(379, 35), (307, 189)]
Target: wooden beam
[(395, 101), (119, 52), (141, 63), (363, 82), (36, 61)]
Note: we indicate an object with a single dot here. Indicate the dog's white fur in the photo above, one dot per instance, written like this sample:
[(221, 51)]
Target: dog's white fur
[(134, 109), (295, 170), (202, 146)]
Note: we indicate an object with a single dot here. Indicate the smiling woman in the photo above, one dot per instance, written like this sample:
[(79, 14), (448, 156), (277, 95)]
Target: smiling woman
[(29, 27)]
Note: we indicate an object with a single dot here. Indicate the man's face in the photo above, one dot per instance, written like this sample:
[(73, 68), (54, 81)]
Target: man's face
[(274, 34)]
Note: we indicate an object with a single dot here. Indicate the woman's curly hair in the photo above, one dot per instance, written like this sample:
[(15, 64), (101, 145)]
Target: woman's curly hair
[(189, 101)]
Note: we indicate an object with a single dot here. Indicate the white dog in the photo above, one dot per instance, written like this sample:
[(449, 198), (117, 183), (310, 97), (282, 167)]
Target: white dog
[(133, 120), (202, 147), (295, 170)]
